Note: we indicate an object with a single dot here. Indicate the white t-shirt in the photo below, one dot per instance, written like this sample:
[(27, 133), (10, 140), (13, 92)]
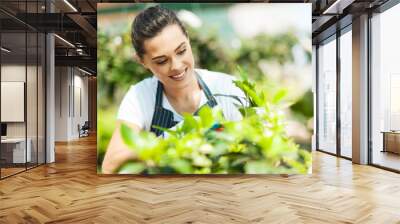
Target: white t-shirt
[(138, 104)]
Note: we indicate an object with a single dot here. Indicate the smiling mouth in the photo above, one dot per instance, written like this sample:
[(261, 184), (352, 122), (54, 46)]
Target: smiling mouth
[(180, 76)]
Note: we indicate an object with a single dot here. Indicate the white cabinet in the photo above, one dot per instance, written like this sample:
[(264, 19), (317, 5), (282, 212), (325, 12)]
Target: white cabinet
[(18, 149)]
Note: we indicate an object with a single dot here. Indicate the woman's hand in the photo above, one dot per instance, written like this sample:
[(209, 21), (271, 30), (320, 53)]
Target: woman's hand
[(117, 152)]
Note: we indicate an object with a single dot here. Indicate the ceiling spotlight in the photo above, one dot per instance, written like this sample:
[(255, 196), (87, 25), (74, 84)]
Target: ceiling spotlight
[(5, 50)]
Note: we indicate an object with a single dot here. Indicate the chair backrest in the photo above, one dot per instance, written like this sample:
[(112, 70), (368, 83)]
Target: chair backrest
[(86, 125)]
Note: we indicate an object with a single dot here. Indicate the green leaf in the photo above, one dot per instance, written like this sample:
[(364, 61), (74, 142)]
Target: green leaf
[(169, 131), (206, 117), (131, 168), (201, 161), (249, 89), (219, 149), (189, 124), (182, 166), (203, 170), (128, 136), (279, 96), (240, 160), (242, 73), (257, 167)]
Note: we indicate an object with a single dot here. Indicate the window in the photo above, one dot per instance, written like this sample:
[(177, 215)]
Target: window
[(346, 94), (327, 97), (385, 89)]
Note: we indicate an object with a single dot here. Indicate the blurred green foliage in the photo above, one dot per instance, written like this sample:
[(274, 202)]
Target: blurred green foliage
[(304, 106), (118, 71), (105, 128)]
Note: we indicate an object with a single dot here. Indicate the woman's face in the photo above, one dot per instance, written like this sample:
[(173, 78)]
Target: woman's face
[(169, 57)]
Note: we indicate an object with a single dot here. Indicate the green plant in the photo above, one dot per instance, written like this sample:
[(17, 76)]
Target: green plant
[(105, 129), (210, 144)]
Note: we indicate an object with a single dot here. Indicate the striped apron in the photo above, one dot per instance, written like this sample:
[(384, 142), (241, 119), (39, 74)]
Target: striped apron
[(165, 118)]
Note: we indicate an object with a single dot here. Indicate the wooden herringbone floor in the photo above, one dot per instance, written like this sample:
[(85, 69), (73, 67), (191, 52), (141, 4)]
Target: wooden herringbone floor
[(70, 191)]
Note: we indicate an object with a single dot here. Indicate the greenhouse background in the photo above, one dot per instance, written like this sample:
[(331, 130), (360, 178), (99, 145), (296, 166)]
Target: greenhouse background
[(274, 48)]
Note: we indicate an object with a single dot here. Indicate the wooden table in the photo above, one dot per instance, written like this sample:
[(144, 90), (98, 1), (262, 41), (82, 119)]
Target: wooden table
[(391, 141), (13, 150)]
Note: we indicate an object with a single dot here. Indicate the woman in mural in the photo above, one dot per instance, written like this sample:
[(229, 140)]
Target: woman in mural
[(176, 87)]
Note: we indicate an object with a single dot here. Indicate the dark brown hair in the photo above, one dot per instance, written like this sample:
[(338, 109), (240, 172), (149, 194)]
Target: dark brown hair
[(150, 22)]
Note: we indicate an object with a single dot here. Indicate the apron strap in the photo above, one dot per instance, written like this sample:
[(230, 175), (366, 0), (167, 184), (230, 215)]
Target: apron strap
[(165, 118), (159, 94), (161, 117), (211, 101)]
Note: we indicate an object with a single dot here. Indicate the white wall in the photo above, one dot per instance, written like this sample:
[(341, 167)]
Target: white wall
[(62, 80), (71, 94)]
